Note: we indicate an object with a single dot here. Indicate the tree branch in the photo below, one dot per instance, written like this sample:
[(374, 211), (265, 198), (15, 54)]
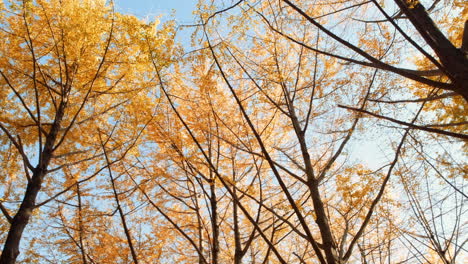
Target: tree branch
[(424, 128)]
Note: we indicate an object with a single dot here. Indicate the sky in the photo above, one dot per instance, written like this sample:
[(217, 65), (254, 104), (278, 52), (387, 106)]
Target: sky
[(153, 8), (163, 10)]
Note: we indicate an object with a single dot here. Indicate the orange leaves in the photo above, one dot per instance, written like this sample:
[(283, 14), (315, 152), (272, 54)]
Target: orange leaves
[(225, 153), (357, 186)]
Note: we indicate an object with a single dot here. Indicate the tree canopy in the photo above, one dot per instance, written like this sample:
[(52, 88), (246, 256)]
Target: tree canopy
[(323, 132)]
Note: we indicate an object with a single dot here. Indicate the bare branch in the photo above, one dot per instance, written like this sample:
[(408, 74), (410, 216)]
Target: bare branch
[(5, 213), (423, 128)]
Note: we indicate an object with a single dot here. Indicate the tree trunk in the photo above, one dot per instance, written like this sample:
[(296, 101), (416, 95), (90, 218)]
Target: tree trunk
[(214, 222), (238, 254), (11, 248), (453, 59)]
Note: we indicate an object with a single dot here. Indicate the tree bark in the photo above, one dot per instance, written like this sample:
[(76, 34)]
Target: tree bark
[(454, 61), (21, 219), (214, 222)]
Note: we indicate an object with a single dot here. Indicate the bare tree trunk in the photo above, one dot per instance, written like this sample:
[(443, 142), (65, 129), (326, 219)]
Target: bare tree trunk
[(119, 207), (80, 224), (21, 219), (214, 222), (238, 248), (454, 61)]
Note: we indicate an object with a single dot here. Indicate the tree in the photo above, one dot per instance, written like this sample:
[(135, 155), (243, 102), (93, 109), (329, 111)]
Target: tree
[(269, 47), (251, 148), (70, 71)]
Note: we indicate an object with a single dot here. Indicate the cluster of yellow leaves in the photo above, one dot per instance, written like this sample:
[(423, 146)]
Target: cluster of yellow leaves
[(356, 185)]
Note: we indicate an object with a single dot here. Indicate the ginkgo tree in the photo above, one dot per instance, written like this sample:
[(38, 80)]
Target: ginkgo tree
[(117, 147), (71, 72), (269, 52)]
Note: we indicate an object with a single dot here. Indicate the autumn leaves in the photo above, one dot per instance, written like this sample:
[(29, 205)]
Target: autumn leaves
[(118, 147)]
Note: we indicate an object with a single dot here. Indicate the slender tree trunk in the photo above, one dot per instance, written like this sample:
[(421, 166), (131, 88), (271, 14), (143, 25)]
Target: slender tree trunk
[(80, 224), (238, 254), (21, 219), (321, 219), (11, 247), (322, 222), (201, 259), (119, 207), (214, 222)]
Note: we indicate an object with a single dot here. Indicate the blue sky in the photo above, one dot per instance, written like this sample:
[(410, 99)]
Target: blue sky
[(163, 10), (152, 8)]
